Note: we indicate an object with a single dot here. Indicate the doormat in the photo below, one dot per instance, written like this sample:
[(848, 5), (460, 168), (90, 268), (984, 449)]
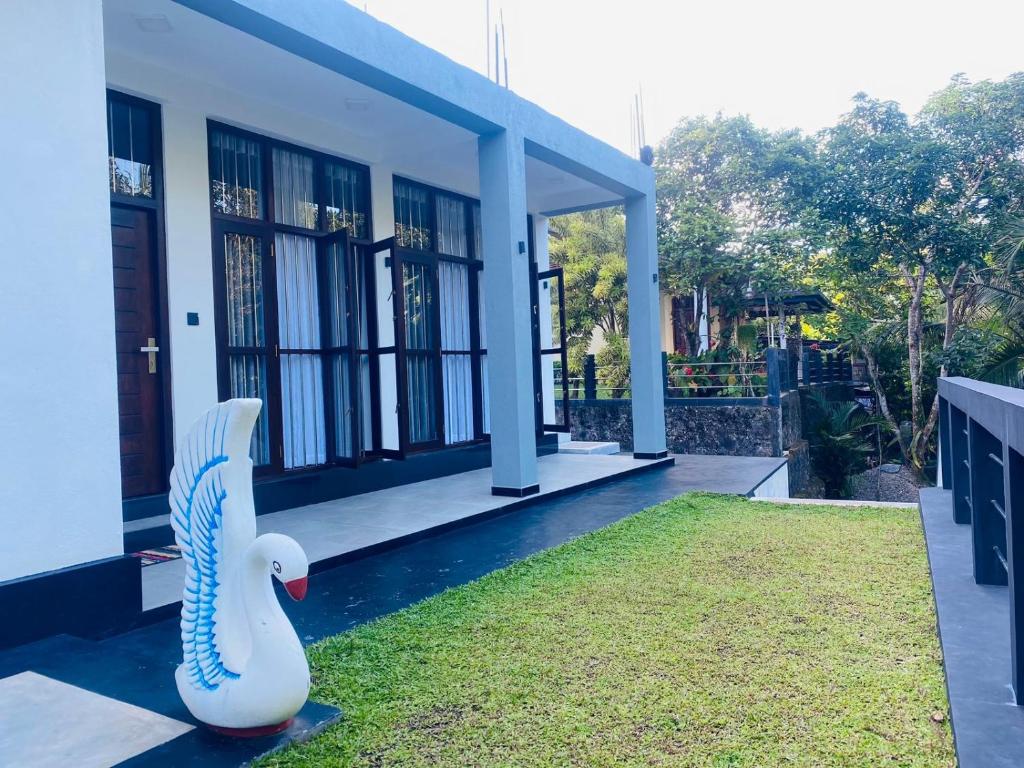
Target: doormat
[(158, 555)]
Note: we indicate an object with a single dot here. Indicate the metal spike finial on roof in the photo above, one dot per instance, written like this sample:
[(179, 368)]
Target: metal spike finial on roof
[(504, 47)]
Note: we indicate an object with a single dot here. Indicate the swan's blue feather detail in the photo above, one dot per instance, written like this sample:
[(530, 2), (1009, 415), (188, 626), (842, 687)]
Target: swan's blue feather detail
[(197, 513)]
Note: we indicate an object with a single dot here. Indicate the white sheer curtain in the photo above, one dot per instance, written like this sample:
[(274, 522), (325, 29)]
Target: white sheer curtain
[(302, 383), (294, 193), (485, 398), (456, 350)]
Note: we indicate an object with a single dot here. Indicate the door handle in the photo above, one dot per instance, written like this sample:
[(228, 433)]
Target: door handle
[(151, 349)]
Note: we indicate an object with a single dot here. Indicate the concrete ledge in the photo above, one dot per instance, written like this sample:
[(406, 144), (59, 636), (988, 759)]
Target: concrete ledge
[(974, 628), (586, 448), (838, 502)]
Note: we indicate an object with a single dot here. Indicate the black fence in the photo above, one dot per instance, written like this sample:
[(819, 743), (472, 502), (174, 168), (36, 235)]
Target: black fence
[(981, 456), (825, 363), (767, 376)]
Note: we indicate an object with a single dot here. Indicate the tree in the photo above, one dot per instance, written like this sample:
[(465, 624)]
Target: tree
[(591, 249), (916, 200), (732, 205)]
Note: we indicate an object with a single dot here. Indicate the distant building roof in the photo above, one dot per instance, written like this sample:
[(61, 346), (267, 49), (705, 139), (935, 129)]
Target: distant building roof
[(813, 303)]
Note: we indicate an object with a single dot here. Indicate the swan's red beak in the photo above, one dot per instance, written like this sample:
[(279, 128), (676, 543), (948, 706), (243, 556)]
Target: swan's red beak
[(297, 587)]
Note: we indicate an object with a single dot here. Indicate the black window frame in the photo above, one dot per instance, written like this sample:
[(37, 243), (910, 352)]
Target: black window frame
[(266, 228), (475, 265)]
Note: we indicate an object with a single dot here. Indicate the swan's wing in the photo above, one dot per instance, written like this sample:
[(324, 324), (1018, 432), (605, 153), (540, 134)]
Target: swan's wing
[(213, 521)]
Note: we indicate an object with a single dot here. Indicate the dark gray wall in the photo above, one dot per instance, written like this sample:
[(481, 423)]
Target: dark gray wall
[(756, 429)]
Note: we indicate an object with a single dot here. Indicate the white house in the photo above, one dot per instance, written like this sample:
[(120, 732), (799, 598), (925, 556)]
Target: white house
[(283, 199)]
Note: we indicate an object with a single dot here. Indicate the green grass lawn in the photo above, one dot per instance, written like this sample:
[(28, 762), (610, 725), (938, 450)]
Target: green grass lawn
[(706, 631)]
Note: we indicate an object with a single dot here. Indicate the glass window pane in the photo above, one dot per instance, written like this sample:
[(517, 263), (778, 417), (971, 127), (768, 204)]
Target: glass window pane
[(478, 236), (458, 398), (243, 268), (414, 221), (485, 396), (298, 306), (419, 305), (302, 411), (236, 175), (130, 148), (302, 380), (248, 378), (294, 189), (451, 226), (347, 203), (422, 397), (336, 296), (454, 284), (343, 410)]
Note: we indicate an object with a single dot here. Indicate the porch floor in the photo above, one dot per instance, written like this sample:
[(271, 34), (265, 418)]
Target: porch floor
[(358, 524), (338, 530)]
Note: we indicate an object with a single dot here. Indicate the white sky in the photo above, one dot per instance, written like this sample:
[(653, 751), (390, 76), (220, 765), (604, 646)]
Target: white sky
[(786, 63)]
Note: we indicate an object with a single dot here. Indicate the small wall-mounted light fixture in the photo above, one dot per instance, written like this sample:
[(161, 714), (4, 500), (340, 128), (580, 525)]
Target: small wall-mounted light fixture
[(654, 278), (192, 318), (522, 247)]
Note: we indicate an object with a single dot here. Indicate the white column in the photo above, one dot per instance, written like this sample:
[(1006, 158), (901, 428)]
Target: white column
[(189, 266), (60, 498), (507, 303), (644, 327)]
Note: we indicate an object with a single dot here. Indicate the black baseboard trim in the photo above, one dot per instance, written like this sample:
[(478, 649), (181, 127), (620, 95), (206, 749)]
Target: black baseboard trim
[(172, 609), (88, 600), (658, 455), (516, 493)]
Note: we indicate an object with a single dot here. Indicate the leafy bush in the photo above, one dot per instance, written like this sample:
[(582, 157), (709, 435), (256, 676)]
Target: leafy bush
[(840, 442)]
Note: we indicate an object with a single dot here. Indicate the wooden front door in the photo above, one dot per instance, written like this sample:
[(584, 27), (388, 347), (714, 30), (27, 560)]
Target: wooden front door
[(140, 352)]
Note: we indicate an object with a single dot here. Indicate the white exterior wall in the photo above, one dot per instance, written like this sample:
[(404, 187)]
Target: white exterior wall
[(776, 486), (60, 494), (189, 266)]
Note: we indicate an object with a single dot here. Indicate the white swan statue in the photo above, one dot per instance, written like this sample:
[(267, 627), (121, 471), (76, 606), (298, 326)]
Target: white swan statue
[(243, 672)]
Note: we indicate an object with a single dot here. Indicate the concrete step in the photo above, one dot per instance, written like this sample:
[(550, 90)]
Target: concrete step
[(587, 448)]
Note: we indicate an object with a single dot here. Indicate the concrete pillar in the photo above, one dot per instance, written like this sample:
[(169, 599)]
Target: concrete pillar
[(507, 301), (60, 500), (644, 327)]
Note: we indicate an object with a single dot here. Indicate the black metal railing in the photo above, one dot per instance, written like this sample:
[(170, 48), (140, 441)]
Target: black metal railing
[(764, 378), (981, 459)]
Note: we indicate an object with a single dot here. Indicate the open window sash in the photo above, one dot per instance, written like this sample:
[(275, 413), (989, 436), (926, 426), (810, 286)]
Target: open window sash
[(418, 349), (339, 316), (553, 350)]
